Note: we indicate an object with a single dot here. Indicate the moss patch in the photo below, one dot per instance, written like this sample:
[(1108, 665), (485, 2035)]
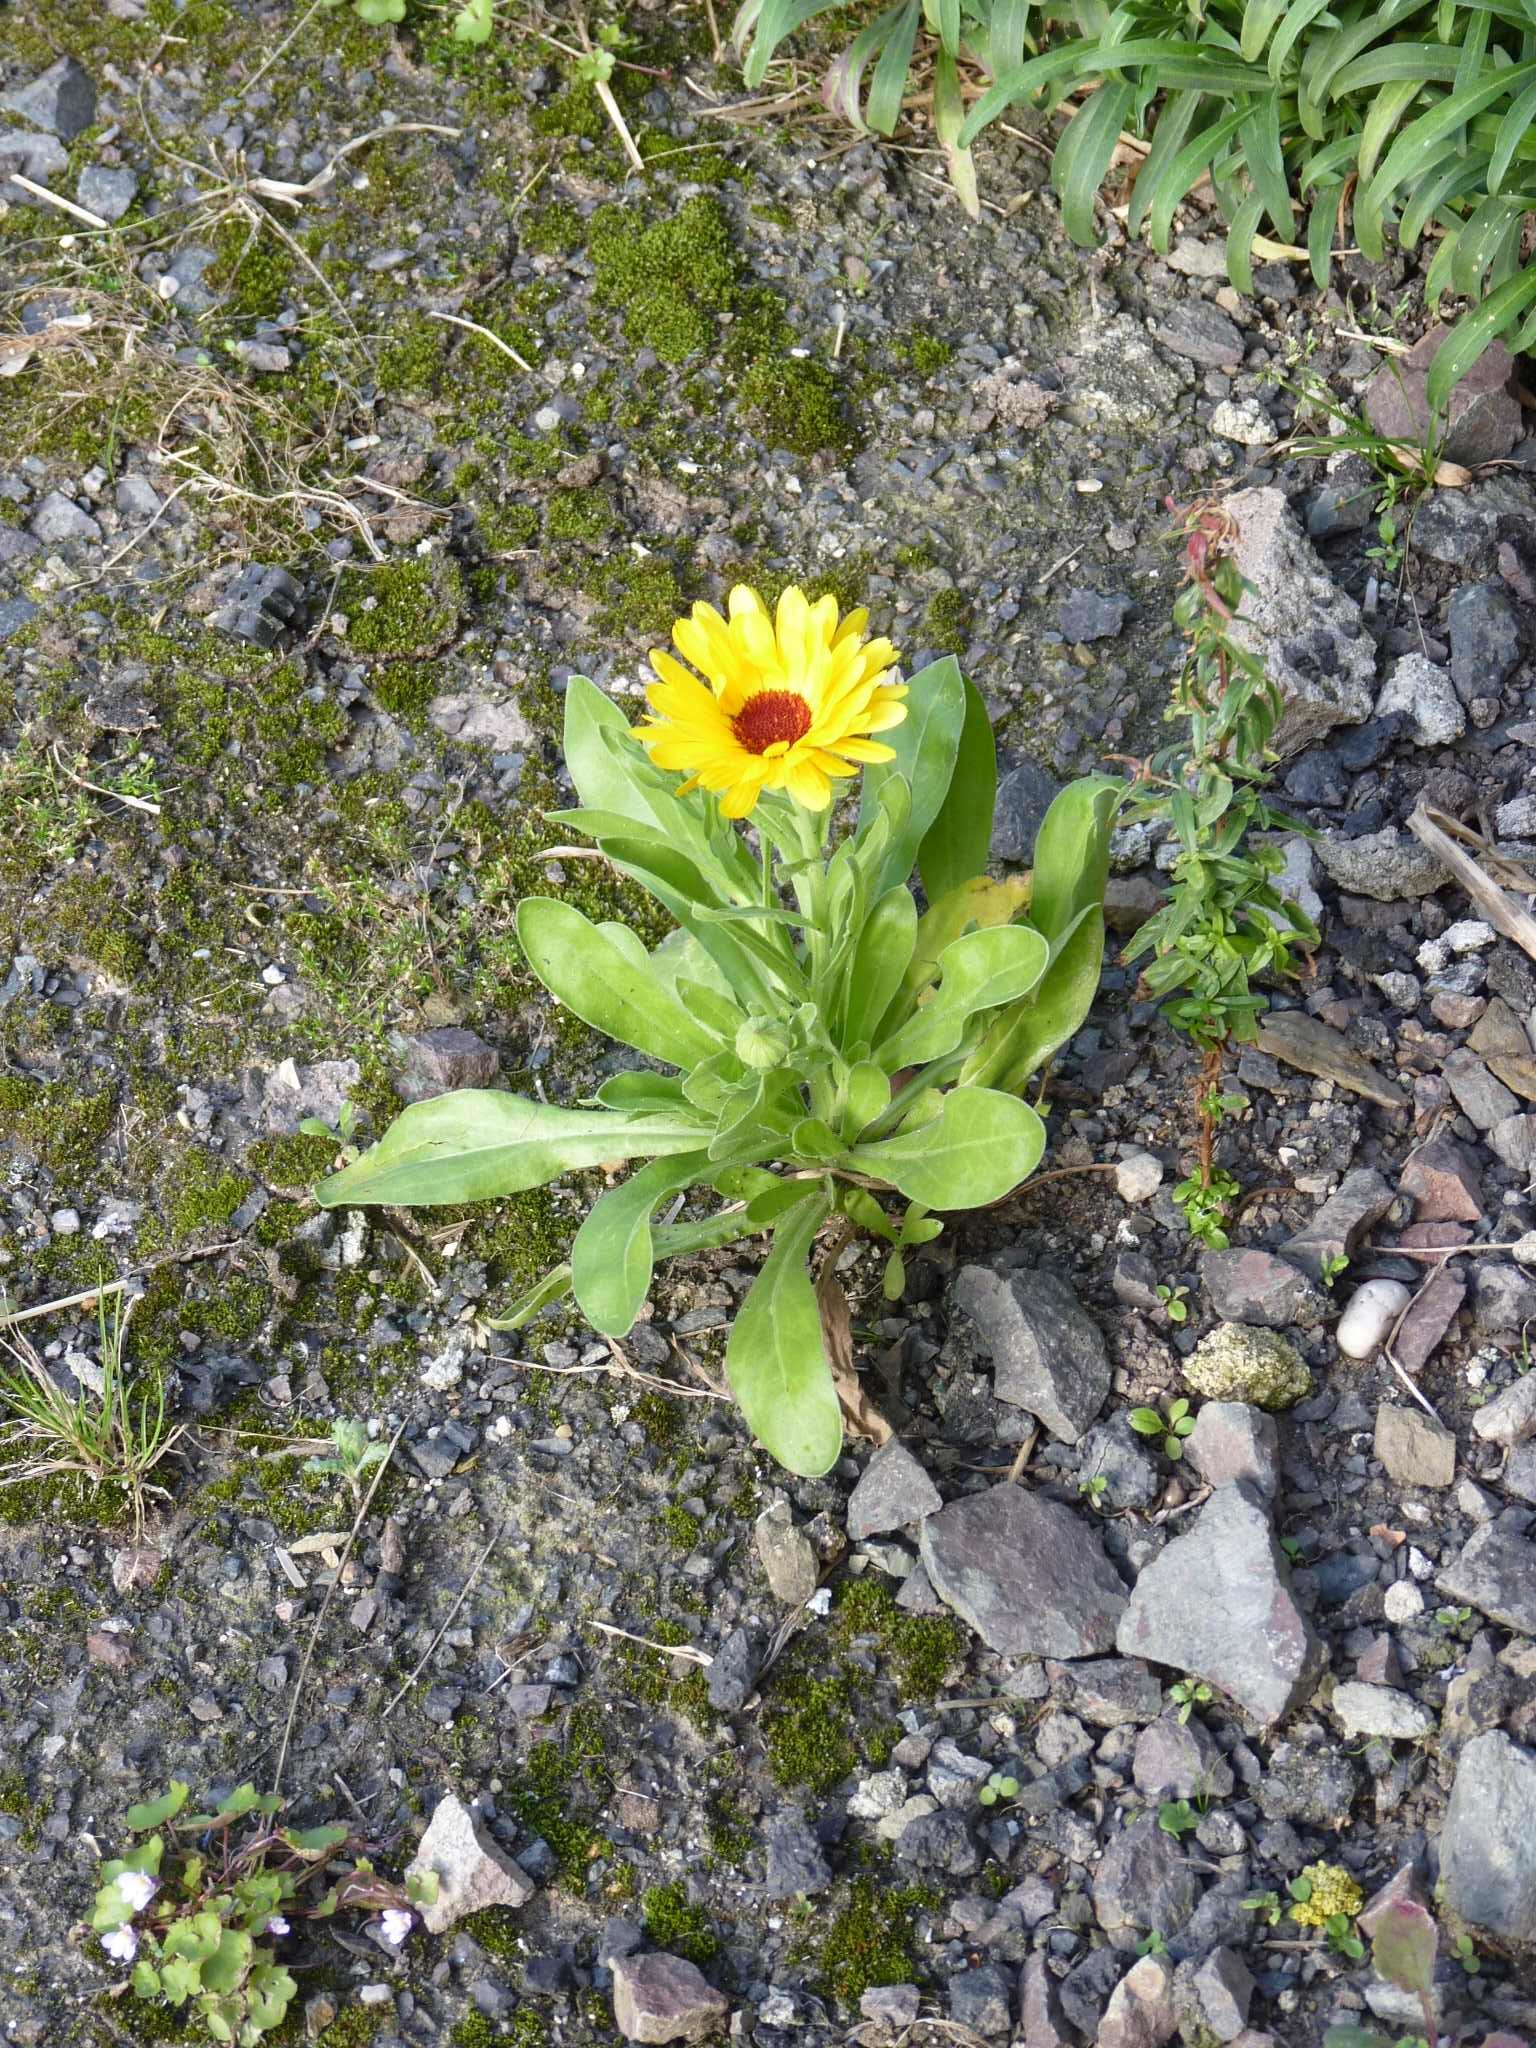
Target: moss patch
[(402, 608), (670, 281), (872, 1940), (796, 404), (673, 1924)]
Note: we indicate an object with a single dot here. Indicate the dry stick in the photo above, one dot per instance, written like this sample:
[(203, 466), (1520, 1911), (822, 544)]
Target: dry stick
[(458, 320), (463, 1594), (325, 1606), (90, 1295), (136, 803), (266, 65), (665, 1649), (92, 220)]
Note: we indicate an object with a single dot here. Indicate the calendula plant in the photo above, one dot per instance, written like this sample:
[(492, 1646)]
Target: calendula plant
[(1224, 923), (837, 1055), (199, 1905)]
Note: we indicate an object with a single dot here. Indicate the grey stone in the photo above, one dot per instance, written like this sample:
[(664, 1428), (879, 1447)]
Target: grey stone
[(61, 99), (1254, 1642), (1315, 1787), (15, 613), (107, 190), (258, 605), (1520, 1472), (1486, 640), (1048, 1354), (734, 1671), (1380, 1710), (1414, 1448), (1342, 503), (1141, 2012), (1482, 1099), (1041, 2021), (1513, 1140), (1495, 1572), (1204, 334), (1111, 1692), (1223, 1989), (1253, 1286), (1024, 794), (1504, 1298), (472, 1869), (1244, 421), (1093, 615), (1483, 420), (953, 1777), (1028, 1574), (1112, 1451), (1488, 1843), (475, 718), (660, 1998), (893, 1492), (916, 1594), (1233, 1440), (1260, 1367), (58, 518), (788, 1555), (38, 157), (1435, 1308), (940, 1841), (892, 2005), (1335, 1232), (1302, 625), (137, 498), (1086, 1988), (1177, 1759), (1389, 865), (443, 1059), (269, 357), (981, 2000), (1426, 695), (796, 1865), (1144, 1881)]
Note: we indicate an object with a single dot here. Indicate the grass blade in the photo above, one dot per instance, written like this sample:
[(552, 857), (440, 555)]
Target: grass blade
[(1083, 153), (1474, 331)]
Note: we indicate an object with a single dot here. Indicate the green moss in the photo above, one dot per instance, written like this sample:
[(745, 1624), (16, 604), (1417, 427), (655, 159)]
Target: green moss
[(643, 596), (292, 1162), (89, 913), (475, 2030), (55, 1122), (872, 1940), (580, 515), (926, 353), (253, 270), (947, 621), (202, 1195), (554, 230), (402, 608), (576, 114), (547, 1795), (776, 216), (672, 280), (679, 1528), (663, 1419), (509, 529), (411, 362), (671, 1923), (795, 404), (922, 1648), (809, 1733)]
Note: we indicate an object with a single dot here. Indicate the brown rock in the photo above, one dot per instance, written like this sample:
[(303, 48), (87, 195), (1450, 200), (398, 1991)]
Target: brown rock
[(439, 1061), (1414, 1448), (1140, 2013), (106, 1646), (1433, 1237), (1435, 1307), (1483, 417), (1378, 1665), (660, 1998), (471, 1868), (1040, 2008), (1308, 1045), (135, 1566)]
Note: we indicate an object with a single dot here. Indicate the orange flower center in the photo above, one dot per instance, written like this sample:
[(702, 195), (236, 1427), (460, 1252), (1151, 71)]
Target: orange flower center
[(772, 718)]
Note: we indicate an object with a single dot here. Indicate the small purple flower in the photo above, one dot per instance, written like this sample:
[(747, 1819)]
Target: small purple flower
[(136, 1888), (278, 1925), (122, 1944), (397, 1925)]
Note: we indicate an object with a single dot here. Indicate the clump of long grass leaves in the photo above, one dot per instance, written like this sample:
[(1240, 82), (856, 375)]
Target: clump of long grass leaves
[(1384, 121)]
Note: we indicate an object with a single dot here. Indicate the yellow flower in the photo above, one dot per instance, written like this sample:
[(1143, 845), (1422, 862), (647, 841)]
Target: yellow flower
[(788, 702)]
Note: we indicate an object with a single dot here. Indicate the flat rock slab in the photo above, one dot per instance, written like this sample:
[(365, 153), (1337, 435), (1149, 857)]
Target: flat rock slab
[(1488, 1843), (472, 1869), (1048, 1354), (1217, 1604), (1416, 1450), (893, 1491), (1247, 1285), (1028, 1574), (1483, 417), (1427, 1323), (1443, 1180), (1313, 1047), (1495, 1572), (1511, 1416), (1363, 1197), (1364, 1709), (659, 1998)]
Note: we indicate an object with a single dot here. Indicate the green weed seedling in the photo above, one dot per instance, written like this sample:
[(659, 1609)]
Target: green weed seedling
[(1171, 1421)]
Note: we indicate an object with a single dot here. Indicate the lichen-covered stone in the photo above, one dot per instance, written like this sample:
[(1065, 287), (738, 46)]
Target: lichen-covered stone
[(1237, 1363)]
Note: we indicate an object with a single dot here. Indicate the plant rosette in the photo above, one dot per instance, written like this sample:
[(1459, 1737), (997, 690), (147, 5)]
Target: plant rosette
[(833, 1051)]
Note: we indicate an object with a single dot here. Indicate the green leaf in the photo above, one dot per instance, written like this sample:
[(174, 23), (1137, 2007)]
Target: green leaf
[(612, 1257), (775, 1359), (978, 1149), (180, 1979), (879, 962), (316, 1841), (1403, 1943), (957, 844), (473, 22), (269, 1993), (1473, 332), (478, 1142), (555, 1286), (866, 1096), (195, 1938), (979, 971), (925, 745), (1082, 155), (223, 1970), (154, 1813), (145, 1979), (605, 778), (607, 983), (890, 76), (948, 120)]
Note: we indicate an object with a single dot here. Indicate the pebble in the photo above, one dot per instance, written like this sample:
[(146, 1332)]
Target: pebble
[(1373, 1308)]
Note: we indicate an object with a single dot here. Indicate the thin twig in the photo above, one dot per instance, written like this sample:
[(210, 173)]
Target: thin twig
[(664, 1649), (325, 1606), (89, 1296), (266, 64), (136, 803), (463, 1594), (92, 220), (458, 320)]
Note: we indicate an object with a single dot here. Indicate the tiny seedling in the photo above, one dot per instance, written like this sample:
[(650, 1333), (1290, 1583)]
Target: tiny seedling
[(1465, 1951), (1093, 1488), (1342, 1937), (344, 1131), (1187, 1694), (999, 1786), (1175, 1300), (1334, 1267), (1152, 1944), (1294, 1549), (1205, 1206), (1267, 1906), (352, 1457), (1173, 1422), (1177, 1817), (1452, 1617)]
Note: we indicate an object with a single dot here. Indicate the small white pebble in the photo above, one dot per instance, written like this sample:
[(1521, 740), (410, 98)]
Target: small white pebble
[(1468, 935), (820, 1601), (1402, 1601), (65, 1221), (273, 976), (1373, 1309), (1138, 1176)]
